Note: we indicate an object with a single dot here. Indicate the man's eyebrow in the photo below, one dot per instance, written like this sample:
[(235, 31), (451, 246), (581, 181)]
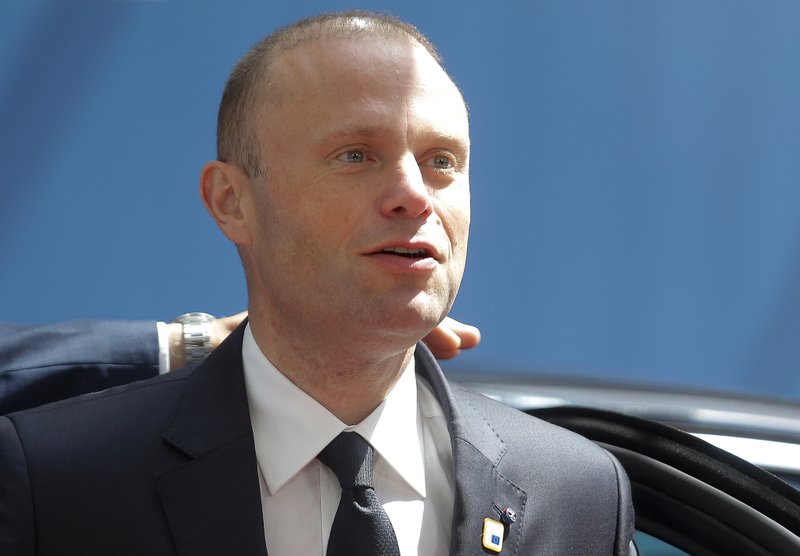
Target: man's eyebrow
[(443, 137), (435, 137), (350, 132)]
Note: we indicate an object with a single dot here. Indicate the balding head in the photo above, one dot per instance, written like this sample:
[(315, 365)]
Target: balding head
[(250, 90)]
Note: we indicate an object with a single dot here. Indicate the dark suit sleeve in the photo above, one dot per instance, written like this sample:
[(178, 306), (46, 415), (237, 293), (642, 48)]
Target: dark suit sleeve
[(16, 506), (41, 364)]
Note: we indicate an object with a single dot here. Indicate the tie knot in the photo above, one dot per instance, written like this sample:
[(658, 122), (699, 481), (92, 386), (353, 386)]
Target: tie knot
[(350, 457)]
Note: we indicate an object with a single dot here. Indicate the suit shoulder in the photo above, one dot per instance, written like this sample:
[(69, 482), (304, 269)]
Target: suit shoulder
[(536, 456), (102, 420), (118, 396), (524, 434)]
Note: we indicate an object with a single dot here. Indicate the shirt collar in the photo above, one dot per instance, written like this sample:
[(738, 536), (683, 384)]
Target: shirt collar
[(290, 427)]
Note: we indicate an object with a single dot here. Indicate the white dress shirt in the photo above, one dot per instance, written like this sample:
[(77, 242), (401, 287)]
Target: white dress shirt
[(299, 495)]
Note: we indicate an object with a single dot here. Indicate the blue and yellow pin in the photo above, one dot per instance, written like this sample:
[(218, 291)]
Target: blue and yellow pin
[(494, 531)]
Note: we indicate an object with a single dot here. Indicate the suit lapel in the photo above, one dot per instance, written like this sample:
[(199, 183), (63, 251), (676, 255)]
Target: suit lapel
[(481, 491), (213, 502)]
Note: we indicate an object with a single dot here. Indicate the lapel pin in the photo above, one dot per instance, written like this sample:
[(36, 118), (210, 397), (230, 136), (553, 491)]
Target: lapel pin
[(493, 532), (508, 516)]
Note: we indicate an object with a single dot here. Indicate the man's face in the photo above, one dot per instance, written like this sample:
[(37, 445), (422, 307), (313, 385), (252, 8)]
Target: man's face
[(361, 223)]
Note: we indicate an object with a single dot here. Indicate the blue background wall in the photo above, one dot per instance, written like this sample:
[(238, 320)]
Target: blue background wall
[(636, 174)]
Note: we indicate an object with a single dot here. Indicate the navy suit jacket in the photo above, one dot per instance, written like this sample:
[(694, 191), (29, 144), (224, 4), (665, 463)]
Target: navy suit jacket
[(43, 363), (167, 466)]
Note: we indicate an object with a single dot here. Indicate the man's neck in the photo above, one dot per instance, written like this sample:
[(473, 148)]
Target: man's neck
[(348, 378)]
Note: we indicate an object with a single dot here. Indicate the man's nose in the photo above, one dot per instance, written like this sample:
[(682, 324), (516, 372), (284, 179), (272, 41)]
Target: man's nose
[(406, 193)]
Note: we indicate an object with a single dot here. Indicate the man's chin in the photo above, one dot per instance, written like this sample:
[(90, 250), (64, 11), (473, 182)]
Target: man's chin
[(413, 326), (410, 315)]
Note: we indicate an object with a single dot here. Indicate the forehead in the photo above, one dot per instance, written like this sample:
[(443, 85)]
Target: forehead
[(356, 79)]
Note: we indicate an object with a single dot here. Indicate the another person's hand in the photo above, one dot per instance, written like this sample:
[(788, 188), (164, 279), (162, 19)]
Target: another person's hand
[(445, 341), (450, 337), (222, 326)]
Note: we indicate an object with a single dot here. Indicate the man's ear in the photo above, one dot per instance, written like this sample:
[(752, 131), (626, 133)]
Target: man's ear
[(225, 190)]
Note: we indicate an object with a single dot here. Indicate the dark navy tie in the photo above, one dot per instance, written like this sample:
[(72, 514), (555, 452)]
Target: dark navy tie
[(361, 526)]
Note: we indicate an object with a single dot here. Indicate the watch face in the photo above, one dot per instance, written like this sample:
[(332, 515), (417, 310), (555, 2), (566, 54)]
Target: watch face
[(194, 318)]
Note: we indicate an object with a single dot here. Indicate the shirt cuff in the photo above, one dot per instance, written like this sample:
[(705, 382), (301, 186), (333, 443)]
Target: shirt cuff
[(163, 347)]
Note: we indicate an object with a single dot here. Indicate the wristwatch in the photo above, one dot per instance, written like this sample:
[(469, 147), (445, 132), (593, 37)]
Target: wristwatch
[(196, 336)]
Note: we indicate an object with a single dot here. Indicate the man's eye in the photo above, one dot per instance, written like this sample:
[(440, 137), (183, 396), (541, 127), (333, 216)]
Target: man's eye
[(352, 156), (441, 162)]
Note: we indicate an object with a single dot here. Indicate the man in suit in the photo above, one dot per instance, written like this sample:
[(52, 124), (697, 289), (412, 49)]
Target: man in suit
[(342, 178)]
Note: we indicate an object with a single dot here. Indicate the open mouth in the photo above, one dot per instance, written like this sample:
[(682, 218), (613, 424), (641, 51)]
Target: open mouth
[(405, 252)]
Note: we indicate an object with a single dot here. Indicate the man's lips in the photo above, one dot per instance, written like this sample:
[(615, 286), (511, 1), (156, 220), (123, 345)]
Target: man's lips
[(408, 250)]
